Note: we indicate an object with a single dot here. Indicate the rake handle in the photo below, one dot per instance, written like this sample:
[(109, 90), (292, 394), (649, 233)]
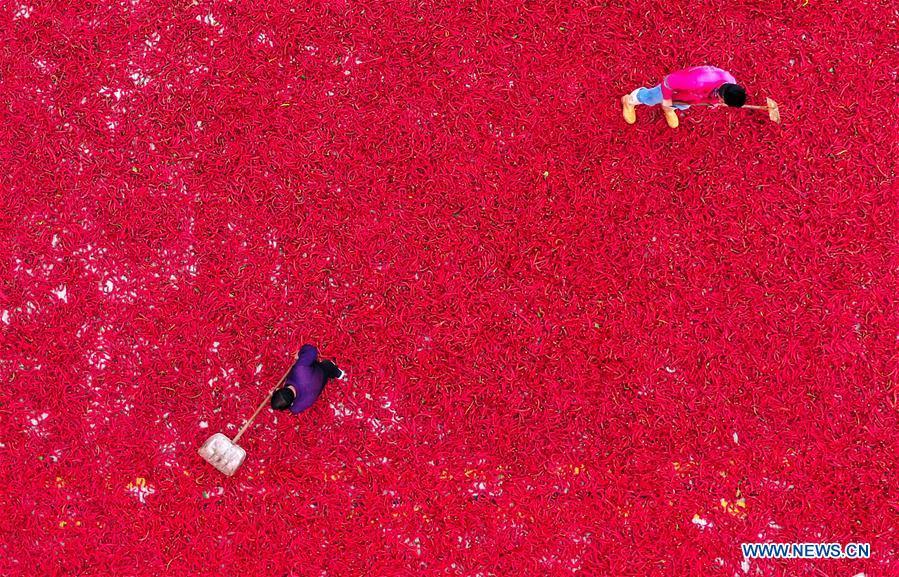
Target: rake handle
[(752, 106), (259, 408)]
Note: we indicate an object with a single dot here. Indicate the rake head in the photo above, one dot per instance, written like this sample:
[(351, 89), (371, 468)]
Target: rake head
[(223, 454), (773, 110)]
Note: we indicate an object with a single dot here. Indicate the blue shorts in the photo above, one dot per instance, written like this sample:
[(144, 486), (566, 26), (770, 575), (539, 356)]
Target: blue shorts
[(653, 97)]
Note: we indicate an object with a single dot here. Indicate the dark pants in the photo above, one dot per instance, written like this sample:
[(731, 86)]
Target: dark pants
[(330, 369)]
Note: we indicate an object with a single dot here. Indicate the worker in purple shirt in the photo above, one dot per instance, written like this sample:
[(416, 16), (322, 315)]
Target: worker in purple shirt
[(305, 381)]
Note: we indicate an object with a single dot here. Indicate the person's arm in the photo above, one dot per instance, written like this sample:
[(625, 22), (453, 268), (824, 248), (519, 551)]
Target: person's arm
[(307, 355)]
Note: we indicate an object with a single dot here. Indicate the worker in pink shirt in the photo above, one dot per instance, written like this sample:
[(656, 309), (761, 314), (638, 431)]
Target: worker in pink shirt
[(703, 85)]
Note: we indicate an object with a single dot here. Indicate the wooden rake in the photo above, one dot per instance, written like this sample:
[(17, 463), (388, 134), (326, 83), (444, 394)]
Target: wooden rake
[(770, 106), (225, 454)]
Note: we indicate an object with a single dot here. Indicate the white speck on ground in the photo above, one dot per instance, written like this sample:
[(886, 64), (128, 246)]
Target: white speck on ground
[(341, 410), (204, 424), (414, 544), (23, 12), (62, 293), (37, 420), (140, 79), (208, 19), (700, 522), (141, 489)]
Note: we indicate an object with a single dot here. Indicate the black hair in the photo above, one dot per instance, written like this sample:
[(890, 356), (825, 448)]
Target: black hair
[(282, 399), (733, 94)]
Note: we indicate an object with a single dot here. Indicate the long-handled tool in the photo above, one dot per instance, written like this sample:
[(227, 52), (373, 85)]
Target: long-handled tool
[(770, 106), (225, 454)]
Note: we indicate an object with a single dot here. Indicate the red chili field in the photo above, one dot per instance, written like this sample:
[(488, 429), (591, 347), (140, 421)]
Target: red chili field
[(573, 346)]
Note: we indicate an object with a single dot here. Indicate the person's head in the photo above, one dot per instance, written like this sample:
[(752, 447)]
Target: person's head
[(732, 94), (283, 398)]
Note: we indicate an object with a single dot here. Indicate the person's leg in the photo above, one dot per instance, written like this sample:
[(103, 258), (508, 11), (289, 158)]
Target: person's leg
[(645, 96), (653, 97), (648, 96), (331, 370)]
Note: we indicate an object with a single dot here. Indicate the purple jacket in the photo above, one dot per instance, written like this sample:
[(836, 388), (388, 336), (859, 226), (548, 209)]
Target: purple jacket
[(307, 377)]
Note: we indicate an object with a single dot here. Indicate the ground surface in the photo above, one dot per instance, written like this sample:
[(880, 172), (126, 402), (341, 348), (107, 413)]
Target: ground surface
[(574, 346)]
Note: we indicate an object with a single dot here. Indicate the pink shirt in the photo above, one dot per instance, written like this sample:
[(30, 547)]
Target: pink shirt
[(696, 85)]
